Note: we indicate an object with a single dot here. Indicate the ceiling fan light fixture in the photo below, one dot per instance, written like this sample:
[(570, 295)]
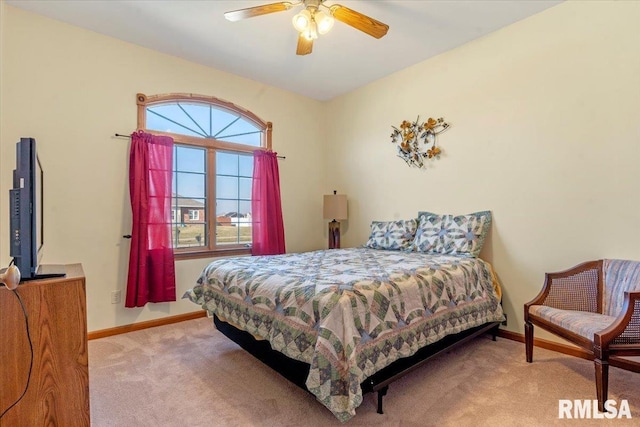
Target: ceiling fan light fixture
[(302, 21), (316, 19), (324, 21)]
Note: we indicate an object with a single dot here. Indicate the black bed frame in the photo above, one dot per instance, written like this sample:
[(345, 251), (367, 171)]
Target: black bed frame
[(297, 372)]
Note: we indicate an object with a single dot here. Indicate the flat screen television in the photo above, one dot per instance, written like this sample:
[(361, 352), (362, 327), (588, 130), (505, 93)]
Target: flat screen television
[(26, 218)]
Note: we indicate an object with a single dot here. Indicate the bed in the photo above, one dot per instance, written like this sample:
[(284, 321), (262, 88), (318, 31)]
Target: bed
[(347, 321)]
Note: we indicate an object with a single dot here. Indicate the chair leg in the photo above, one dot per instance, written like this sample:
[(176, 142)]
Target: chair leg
[(528, 340), (602, 382)]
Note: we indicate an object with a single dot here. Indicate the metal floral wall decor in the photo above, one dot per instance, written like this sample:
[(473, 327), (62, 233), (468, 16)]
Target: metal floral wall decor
[(417, 141)]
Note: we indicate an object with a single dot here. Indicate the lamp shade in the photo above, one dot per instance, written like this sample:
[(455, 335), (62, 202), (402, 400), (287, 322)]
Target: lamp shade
[(324, 21), (302, 21), (335, 207)]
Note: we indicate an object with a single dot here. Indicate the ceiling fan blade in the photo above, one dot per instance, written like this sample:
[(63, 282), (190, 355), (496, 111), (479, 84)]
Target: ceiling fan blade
[(304, 46), (359, 21), (250, 12)]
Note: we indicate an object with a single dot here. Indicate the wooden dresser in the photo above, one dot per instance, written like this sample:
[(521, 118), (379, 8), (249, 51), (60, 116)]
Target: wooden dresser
[(58, 393)]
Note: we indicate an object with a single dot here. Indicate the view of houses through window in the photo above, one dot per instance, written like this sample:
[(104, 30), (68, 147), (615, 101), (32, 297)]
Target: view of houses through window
[(212, 171), (234, 172)]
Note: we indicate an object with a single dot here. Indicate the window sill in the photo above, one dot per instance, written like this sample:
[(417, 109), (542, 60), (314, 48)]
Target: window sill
[(178, 256)]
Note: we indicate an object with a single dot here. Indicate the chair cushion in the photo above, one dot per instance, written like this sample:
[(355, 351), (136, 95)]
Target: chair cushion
[(619, 276), (582, 323)]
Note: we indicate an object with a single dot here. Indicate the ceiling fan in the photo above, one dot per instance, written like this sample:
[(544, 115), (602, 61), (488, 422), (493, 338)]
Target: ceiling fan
[(316, 18)]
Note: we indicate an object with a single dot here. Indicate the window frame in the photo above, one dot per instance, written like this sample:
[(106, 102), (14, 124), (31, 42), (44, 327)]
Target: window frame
[(211, 145), (194, 215)]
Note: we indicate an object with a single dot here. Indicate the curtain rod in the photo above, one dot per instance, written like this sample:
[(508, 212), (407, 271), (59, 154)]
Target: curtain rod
[(129, 136)]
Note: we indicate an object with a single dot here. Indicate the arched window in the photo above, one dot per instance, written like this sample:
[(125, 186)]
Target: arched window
[(214, 142)]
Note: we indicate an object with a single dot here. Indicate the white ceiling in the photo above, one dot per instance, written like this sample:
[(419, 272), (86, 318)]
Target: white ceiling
[(263, 48)]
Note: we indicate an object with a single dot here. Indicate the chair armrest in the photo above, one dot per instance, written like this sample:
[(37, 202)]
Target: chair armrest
[(625, 330), (578, 288)]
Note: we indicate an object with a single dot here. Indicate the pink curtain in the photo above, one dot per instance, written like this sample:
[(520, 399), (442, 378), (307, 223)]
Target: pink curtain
[(151, 265), (266, 209)]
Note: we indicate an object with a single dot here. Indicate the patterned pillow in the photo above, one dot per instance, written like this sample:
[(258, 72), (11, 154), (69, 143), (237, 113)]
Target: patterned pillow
[(395, 235), (452, 235)]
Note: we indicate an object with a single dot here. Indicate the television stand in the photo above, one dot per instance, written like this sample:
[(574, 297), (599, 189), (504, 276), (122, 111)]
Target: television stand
[(47, 271), (58, 392)]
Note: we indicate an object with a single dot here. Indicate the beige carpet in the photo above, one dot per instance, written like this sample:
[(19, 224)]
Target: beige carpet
[(189, 374)]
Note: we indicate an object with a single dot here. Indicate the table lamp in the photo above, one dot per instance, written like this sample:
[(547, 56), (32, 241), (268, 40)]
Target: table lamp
[(335, 208)]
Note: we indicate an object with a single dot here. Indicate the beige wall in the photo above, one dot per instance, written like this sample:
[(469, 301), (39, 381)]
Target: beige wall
[(72, 90), (545, 133)]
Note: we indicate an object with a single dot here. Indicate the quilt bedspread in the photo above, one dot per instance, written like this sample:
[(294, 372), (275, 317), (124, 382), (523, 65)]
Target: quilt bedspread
[(349, 312)]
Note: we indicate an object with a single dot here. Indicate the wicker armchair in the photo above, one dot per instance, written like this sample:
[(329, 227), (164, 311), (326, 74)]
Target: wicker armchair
[(595, 305)]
